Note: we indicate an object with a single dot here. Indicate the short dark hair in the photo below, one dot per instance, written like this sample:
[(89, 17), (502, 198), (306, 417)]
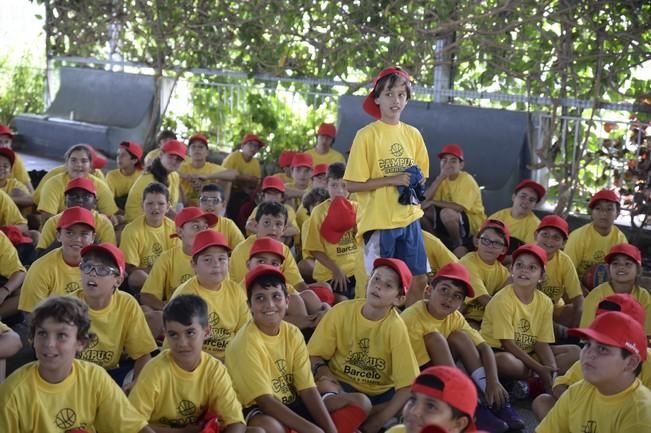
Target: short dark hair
[(156, 188), (212, 187), (184, 308), (314, 197), (336, 170), (62, 309), (626, 354), (270, 208), (265, 281), (165, 134), (389, 82)]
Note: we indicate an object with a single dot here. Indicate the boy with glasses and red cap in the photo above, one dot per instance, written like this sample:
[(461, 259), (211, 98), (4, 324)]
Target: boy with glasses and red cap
[(120, 180), (323, 153), (381, 156), (454, 197)]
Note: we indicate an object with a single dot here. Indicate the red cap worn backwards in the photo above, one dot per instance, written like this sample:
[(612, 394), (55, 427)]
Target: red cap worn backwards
[(259, 271), (627, 250), (605, 195), (5, 130), (82, 183), (193, 213), (134, 149), (341, 217), (209, 238), (535, 186), (327, 129), (302, 160), (110, 249), (457, 272), (252, 137), (9, 154), (451, 149), (625, 303), (273, 182), (285, 158), (369, 103), (76, 215), (399, 267), (198, 137), (320, 169), (616, 329), (174, 147), (556, 222), (267, 245)]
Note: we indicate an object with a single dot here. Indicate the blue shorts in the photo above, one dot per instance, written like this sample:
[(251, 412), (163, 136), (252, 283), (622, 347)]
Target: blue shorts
[(405, 243)]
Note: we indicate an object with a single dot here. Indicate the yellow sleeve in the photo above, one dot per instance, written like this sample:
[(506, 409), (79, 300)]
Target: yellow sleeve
[(230, 162), (497, 323), (420, 155), (557, 419), (570, 277), (590, 307), (9, 212), (460, 323), (113, 406), (48, 233), (417, 328), (105, 202), (52, 195), (132, 207), (437, 253), (404, 367), (36, 286), (232, 232), (572, 248), (223, 399), (157, 281), (105, 231), (146, 392), (571, 376), (324, 339), (302, 371), (19, 171), (130, 244), (9, 258), (139, 341), (151, 155), (546, 320), (290, 268), (357, 168), (475, 277), (243, 363), (239, 256)]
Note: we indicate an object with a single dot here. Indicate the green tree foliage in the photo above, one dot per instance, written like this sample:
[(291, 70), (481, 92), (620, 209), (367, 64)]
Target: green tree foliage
[(21, 90)]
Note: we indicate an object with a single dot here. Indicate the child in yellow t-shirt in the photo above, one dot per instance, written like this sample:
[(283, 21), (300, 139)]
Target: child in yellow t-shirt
[(273, 191), (618, 302), (18, 170), (302, 167), (163, 137), (212, 201), (519, 218), (57, 272), (588, 245), (197, 171), (227, 309), (487, 274), (285, 165), (144, 239), (121, 179), (18, 191), (311, 200), (57, 392), (12, 276), (454, 197), (561, 282), (118, 324), (172, 391), (320, 176), (270, 365), (330, 237), (248, 178), (362, 345), (10, 344), (518, 324), (610, 398), (625, 267), (437, 330), (323, 153)]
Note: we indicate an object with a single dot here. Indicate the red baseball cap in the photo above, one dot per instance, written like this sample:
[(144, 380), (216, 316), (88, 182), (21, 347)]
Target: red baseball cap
[(15, 235), (192, 213), (133, 148), (9, 154), (369, 103), (625, 303), (320, 169), (327, 129), (110, 249), (209, 238), (341, 217), (451, 149), (265, 244), (273, 182), (399, 267), (252, 137), (98, 160), (556, 222), (174, 147), (259, 271), (457, 272), (616, 329), (198, 137), (626, 249), (535, 186), (285, 158), (5, 130), (606, 195), (302, 159), (76, 215), (450, 385), (534, 250), (499, 226), (82, 183)]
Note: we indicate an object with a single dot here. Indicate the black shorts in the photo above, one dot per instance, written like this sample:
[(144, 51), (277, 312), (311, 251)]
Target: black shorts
[(442, 233), (348, 291)]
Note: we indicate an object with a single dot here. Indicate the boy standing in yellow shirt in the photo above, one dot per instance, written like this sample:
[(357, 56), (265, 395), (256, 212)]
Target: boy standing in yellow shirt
[(173, 391), (380, 156)]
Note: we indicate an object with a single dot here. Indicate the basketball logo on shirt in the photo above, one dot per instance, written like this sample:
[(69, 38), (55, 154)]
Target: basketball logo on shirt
[(92, 341), (598, 256), (213, 319), (524, 326), (65, 419), (589, 427), (397, 150), (72, 286), (157, 249), (186, 408)]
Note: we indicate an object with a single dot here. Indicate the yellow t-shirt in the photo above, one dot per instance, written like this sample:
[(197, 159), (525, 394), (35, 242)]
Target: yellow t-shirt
[(52, 198), (236, 161), (560, 278), (485, 279), (330, 157), (591, 303), (227, 312), (239, 256), (437, 253), (380, 150), (87, 399), (522, 229), (342, 253), (168, 395), (582, 408), (12, 184), (48, 276), (262, 364), (151, 155), (507, 318), (230, 230), (172, 268), (9, 258), (104, 231), (143, 244), (399, 428), (421, 323), (191, 194), (18, 170), (54, 172), (9, 213), (133, 206), (465, 192), (120, 184), (586, 247), (372, 356), (121, 326), (291, 216)]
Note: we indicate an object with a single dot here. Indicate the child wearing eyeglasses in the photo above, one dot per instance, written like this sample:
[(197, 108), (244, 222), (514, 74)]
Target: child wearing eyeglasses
[(212, 201), (117, 322)]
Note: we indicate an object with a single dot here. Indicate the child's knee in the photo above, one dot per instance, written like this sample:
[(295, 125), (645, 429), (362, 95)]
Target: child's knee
[(361, 401), (542, 404), (449, 216), (267, 423)]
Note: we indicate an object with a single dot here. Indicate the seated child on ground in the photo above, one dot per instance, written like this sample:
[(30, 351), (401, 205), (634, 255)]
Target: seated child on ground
[(18, 170), (273, 190), (18, 191), (120, 180), (322, 152), (302, 167), (212, 201)]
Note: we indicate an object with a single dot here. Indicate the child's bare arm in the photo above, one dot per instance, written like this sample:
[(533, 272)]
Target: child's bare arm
[(527, 360), (312, 400), (495, 392), (382, 413), (9, 344), (338, 276), (401, 179)]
